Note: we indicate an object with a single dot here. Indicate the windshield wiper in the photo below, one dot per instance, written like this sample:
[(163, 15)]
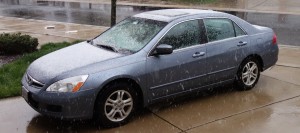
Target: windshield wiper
[(125, 51), (108, 47), (90, 41)]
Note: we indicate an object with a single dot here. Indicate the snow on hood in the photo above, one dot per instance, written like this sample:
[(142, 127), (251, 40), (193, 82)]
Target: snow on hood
[(67, 59)]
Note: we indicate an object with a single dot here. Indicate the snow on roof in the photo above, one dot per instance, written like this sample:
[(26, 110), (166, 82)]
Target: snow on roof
[(170, 14)]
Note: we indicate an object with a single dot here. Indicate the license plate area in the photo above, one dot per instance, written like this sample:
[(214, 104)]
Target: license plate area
[(25, 93)]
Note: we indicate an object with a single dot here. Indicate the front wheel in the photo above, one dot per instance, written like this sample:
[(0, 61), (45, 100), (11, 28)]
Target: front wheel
[(116, 105), (248, 74)]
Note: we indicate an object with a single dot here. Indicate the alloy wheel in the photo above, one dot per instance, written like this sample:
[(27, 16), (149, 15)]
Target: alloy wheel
[(118, 105), (250, 73)]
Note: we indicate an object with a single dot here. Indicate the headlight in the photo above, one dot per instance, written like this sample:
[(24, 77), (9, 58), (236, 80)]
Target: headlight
[(72, 84)]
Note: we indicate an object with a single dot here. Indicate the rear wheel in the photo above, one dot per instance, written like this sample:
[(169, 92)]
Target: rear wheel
[(248, 74), (116, 105)]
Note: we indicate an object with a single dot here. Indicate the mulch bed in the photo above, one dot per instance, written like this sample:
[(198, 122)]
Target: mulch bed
[(8, 59)]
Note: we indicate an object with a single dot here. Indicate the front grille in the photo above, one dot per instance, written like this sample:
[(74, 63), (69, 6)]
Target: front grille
[(32, 82)]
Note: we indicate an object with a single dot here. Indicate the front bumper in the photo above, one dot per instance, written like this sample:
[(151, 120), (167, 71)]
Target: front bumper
[(79, 105)]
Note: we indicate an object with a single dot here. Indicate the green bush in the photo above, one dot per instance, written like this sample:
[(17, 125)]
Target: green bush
[(11, 74), (16, 43)]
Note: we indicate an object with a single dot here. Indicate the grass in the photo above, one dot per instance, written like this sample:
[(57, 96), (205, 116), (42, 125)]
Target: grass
[(11, 73)]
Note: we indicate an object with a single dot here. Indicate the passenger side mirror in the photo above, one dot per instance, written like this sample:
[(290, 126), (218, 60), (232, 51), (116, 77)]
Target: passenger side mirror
[(163, 49)]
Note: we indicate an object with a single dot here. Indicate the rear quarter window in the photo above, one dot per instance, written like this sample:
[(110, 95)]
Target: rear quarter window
[(238, 30)]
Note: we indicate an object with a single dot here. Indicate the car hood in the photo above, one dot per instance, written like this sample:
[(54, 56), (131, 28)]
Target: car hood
[(67, 59)]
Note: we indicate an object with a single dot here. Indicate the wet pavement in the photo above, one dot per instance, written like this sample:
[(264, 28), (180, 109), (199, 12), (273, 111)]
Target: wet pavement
[(72, 12), (286, 26), (271, 6), (61, 31), (272, 106)]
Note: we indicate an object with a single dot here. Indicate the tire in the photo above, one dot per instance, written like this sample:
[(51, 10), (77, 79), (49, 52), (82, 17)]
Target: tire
[(116, 105), (248, 74)]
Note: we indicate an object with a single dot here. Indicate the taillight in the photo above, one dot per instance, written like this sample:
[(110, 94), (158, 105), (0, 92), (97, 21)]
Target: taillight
[(274, 41)]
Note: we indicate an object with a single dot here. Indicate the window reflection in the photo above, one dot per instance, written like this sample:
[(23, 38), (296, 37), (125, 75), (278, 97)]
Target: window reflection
[(183, 35)]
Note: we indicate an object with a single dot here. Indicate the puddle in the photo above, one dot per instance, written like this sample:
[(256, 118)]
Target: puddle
[(71, 32), (50, 27), (287, 27)]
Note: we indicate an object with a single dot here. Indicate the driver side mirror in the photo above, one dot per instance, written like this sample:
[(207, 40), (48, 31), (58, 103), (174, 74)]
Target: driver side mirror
[(163, 49)]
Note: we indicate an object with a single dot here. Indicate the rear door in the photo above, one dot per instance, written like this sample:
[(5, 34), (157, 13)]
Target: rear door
[(184, 69), (224, 50)]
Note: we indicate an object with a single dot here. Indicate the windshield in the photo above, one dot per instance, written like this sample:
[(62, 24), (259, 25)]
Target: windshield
[(131, 34)]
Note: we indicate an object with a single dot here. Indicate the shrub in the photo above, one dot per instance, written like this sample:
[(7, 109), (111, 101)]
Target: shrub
[(16, 43), (11, 73)]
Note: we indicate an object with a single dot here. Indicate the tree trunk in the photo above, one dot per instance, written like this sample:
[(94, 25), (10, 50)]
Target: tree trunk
[(113, 12)]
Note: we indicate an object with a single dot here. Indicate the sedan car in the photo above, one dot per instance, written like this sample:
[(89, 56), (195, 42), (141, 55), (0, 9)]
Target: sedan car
[(147, 58)]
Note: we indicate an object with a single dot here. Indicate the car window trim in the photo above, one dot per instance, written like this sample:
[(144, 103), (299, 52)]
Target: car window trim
[(207, 42), (235, 35), (227, 39), (203, 30), (219, 18), (229, 19), (154, 46), (246, 34)]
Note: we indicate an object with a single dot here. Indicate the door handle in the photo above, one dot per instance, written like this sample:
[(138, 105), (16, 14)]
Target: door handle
[(241, 43), (198, 54)]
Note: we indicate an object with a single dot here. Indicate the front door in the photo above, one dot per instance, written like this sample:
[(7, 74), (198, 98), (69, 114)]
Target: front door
[(184, 69)]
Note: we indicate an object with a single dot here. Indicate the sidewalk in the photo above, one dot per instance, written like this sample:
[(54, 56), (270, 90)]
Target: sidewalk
[(61, 31), (266, 6)]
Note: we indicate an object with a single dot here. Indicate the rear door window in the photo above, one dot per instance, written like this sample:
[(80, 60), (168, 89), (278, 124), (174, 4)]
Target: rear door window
[(219, 29)]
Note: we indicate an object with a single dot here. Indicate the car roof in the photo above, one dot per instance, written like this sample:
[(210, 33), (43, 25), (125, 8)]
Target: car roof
[(168, 15)]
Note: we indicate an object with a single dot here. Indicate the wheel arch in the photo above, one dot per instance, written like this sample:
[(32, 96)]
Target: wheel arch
[(126, 79), (241, 86), (256, 56)]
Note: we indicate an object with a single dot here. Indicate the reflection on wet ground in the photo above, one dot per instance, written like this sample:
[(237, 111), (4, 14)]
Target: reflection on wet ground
[(74, 12), (61, 31), (271, 106), (286, 26), (138, 124)]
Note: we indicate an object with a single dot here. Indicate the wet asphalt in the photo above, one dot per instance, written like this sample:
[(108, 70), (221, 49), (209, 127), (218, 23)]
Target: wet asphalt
[(286, 26), (272, 106)]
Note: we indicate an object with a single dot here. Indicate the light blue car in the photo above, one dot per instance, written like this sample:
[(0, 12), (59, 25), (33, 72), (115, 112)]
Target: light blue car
[(147, 58)]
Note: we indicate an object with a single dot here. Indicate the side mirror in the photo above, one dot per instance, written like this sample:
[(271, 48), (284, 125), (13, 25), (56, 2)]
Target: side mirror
[(163, 49)]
